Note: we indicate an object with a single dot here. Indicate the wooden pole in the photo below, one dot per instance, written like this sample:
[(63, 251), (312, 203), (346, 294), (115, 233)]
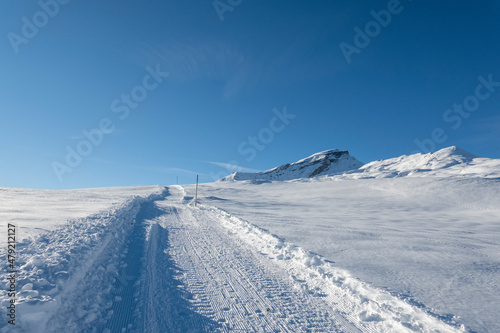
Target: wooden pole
[(196, 193)]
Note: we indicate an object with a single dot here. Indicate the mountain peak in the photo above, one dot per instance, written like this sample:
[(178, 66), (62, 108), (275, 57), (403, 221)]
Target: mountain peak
[(450, 161), (323, 154), (446, 161), (328, 162), (454, 151)]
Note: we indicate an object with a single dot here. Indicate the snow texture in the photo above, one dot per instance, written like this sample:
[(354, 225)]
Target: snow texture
[(403, 245)]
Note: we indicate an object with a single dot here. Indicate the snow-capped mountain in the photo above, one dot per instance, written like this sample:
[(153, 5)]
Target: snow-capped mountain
[(328, 162), (451, 161)]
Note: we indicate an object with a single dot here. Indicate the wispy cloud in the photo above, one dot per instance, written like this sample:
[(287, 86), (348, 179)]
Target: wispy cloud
[(99, 160), (489, 123), (241, 67), (116, 131), (52, 155), (488, 130), (168, 170), (202, 59), (233, 167)]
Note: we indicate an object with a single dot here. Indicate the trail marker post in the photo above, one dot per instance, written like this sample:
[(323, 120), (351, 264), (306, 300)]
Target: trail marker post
[(196, 192)]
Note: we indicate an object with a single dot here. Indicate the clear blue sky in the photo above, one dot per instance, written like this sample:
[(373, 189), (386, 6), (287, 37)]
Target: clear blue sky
[(66, 68)]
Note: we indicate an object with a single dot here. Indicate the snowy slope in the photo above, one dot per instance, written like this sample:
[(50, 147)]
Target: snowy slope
[(38, 211), (324, 163), (432, 241), (376, 249), (451, 161), (156, 263)]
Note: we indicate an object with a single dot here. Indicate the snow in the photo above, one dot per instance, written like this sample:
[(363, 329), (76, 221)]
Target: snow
[(328, 162), (58, 252), (38, 211), (431, 241), (447, 162), (403, 245)]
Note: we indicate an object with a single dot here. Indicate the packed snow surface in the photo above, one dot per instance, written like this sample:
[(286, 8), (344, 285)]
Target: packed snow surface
[(375, 249), (157, 263)]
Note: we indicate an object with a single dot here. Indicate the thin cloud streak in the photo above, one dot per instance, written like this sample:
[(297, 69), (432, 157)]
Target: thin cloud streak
[(168, 170), (233, 167)]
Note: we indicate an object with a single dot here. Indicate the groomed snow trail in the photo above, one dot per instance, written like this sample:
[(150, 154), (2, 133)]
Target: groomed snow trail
[(209, 271), (228, 282), (159, 264)]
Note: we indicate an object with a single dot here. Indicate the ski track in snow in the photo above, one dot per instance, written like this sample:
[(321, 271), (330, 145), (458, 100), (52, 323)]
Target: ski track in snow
[(166, 266)]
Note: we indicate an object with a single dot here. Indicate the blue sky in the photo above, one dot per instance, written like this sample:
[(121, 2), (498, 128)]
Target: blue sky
[(172, 89)]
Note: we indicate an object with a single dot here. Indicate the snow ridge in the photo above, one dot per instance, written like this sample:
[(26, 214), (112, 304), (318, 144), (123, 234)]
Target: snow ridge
[(451, 161), (363, 307), (327, 162), (447, 162)]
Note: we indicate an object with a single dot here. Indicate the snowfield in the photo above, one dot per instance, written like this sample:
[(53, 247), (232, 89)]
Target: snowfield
[(38, 211), (433, 242), (388, 252)]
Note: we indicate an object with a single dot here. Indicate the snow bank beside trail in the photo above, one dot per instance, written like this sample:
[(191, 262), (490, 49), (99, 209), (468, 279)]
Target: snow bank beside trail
[(34, 212), (64, 273), (368, 308)]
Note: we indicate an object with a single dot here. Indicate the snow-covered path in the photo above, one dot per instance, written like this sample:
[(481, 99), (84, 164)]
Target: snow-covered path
[(207, 271), (237, 288), (159, 264)]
